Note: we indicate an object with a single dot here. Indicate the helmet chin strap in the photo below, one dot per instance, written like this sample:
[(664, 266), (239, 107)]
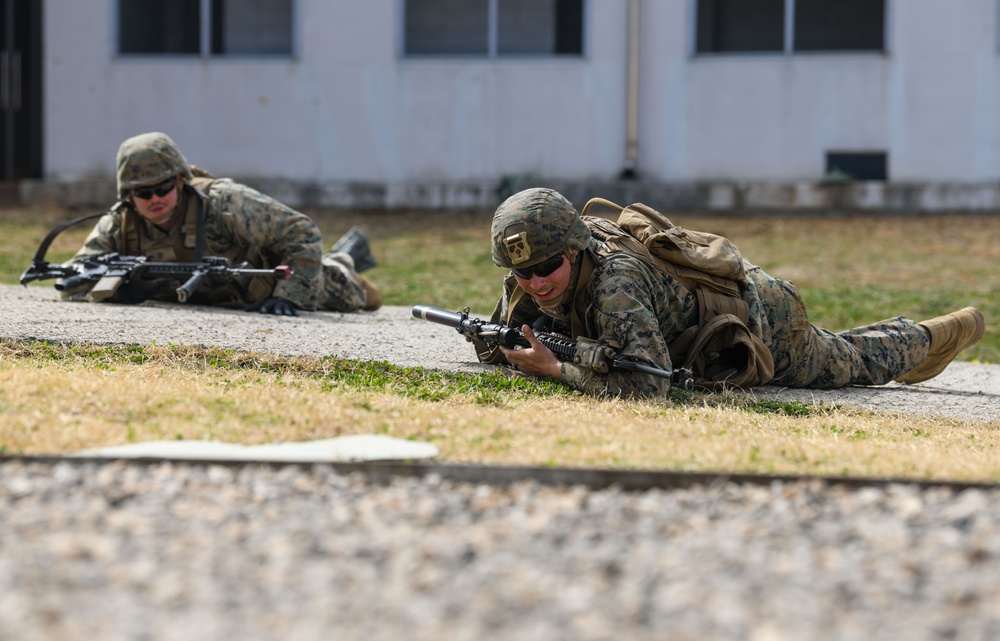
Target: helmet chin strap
[(574, 257)]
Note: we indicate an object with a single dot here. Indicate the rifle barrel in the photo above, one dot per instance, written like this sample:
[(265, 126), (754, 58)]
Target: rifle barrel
[(563, 348), (438, 315)]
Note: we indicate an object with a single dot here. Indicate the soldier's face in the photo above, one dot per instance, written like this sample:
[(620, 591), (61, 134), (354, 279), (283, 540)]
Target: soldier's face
[(548, 290), (156, 202)]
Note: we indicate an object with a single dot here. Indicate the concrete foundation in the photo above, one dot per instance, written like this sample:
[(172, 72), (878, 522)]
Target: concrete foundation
[(722, 197)]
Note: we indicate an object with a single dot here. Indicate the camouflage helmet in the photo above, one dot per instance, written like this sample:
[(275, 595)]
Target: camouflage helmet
[(148, 159), (533, 225)]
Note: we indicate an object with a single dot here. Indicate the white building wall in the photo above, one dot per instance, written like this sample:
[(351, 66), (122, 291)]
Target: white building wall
[(930, 103), (350, 109), (943, 116)]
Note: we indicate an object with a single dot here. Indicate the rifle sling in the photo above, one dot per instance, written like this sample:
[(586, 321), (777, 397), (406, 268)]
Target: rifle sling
[(578, 310), (199, 243)]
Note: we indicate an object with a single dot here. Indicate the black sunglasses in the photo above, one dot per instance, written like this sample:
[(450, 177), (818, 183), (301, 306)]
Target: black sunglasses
[(159, 190), (542, 269)]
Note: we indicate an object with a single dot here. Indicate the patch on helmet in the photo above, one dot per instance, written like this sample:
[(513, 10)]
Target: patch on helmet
[(518, 248)]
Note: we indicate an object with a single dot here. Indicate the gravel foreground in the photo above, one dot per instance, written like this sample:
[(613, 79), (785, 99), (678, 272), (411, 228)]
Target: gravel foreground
[(161, 551)]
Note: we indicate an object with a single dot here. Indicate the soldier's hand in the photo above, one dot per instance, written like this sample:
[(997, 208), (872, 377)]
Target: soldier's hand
[(537, 360), (275, 305)]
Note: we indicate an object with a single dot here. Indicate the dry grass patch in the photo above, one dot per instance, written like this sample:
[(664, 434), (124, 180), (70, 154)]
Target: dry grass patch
[(851, 270), (919, 251), (73, 399)]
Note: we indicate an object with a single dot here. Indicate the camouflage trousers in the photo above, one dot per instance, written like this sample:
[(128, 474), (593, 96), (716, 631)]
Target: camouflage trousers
[(341, 290), (809, 356)]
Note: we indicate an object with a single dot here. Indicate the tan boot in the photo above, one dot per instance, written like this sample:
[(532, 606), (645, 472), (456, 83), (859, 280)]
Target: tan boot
[(374, 297), (950, 334)]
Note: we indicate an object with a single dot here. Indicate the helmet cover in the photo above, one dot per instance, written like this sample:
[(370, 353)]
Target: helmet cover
[(534, 225), (148, 159)]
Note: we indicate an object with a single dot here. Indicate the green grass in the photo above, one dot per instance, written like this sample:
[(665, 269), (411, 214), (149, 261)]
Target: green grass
[(851, 271), (845, 307), (492, 387)]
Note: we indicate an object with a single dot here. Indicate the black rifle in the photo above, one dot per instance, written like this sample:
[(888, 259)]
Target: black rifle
[(108, 272), (590, 354)]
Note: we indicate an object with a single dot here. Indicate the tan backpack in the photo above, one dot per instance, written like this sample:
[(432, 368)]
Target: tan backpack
[(720, 350)]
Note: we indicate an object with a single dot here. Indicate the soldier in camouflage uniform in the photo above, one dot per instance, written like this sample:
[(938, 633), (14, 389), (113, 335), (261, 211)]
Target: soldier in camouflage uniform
[(171, 211), (640, 310)]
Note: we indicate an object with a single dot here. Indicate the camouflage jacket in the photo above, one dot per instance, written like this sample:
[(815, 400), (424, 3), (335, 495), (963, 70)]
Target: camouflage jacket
[(241, 224), (635, 308)]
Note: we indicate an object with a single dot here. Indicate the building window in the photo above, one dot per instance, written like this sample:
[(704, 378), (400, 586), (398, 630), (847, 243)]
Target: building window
[(159, 26), (741, 25), (447, 27), (493, 27), (857, 165), (839, 25), (206, 27), (731, 26)]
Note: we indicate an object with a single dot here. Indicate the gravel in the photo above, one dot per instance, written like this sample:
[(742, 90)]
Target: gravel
[(197, 551), (161, 551)]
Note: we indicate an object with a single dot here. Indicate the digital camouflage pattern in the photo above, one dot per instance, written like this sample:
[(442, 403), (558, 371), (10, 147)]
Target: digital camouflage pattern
[(809, 356), (640, 310), (534, 225), (241, 224), (148, 159)]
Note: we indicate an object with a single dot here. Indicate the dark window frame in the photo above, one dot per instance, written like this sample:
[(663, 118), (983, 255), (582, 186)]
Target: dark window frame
[(800, 29), (739, 26), (858, 165), (570, 16), (858, 28), (209, 36)]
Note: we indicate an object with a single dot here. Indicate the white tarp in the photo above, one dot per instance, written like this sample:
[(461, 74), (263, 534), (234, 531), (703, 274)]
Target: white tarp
[(364, 447)]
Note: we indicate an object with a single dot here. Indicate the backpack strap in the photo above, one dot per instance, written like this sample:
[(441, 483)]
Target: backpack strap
[(198, 189), (712, 303), (724, 353), (515, 298), (128, 232), (720, 348), (600, 201), (578, 310)]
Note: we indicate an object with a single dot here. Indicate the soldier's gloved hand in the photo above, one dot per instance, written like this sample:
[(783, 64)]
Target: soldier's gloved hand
[(275, 305)]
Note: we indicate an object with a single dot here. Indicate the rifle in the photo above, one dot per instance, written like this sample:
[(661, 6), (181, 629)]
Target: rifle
[(598, 357), (110, 271)]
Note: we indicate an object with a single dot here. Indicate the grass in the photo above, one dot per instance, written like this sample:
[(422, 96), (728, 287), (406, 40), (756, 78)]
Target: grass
[(851, 271), (58, 398)]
